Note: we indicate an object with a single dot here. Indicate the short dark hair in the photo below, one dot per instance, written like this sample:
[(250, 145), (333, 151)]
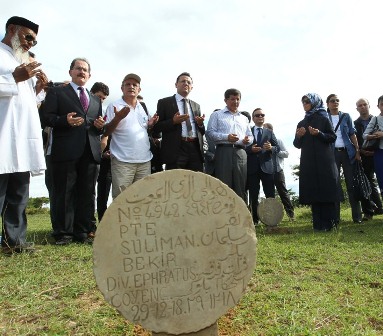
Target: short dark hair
[(184, 74), (99, 86), (329, 97), (82, 59), (380, 99), (247, 115), (257, 109), (232, 92)]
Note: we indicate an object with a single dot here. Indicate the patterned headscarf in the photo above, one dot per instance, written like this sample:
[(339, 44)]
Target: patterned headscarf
[(317, 105)]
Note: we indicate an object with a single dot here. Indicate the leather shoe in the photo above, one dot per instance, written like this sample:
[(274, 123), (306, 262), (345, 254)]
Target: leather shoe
[(64, 240), (357, 221), (87, 240), (366, 218)]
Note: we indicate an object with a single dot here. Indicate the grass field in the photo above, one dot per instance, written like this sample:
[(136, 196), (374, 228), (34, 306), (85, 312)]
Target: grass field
[(305, 283)]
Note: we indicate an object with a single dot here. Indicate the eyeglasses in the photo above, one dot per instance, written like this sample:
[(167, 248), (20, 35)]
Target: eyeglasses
[(304, 102), (258, 115), (78, 68), (30, 38), (333, 101)]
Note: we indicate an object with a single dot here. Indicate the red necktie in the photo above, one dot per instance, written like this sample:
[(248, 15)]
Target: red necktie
[(83, 99)]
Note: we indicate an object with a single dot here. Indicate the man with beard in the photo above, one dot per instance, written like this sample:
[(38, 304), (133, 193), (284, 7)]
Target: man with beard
[(20, 131)]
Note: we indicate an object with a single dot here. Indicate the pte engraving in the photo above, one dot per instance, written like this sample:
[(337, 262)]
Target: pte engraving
[(175, 251)]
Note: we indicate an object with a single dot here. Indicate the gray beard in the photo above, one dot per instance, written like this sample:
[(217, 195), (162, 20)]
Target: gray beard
[(20, 54)]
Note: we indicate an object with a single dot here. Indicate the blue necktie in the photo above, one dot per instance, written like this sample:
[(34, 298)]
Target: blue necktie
[(259, 136)]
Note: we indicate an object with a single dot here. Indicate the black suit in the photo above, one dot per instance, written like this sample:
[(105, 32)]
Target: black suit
[(75, 157), (260, 168), (175, 152)]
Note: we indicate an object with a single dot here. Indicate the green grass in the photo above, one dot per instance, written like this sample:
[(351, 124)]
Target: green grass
[(305, 283)]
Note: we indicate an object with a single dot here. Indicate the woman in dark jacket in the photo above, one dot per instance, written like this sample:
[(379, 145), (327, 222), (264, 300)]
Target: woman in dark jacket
[(318, 177)]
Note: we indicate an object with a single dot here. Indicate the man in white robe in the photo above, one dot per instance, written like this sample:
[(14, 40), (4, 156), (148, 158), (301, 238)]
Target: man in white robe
[(20, 130)]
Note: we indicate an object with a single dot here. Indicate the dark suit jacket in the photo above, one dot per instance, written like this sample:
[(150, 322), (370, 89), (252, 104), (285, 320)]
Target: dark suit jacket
[(171, 134), (264, 158), (68, 141)]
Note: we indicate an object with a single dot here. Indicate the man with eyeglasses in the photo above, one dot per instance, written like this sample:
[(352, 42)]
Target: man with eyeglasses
[(259, 162), (346, 151), (76, 118), (182, 127), (20, 131)]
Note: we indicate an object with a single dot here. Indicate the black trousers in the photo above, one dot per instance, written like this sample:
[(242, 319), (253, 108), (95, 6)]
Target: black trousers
[(74, 184), (253, 182), (324, 216), (369, 170), (104, 183), (14, 195), (280, 185), (189, 157), (49, 185)]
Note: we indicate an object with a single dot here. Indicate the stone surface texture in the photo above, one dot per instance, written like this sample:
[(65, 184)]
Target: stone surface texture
[(175, 251), (270, 211)]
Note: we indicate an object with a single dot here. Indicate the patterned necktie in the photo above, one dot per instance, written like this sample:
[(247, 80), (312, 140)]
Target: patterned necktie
[(186, 111), (83, 99), (259, 136)]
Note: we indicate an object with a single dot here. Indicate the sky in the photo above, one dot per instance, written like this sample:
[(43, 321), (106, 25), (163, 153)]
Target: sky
[(272, 51)]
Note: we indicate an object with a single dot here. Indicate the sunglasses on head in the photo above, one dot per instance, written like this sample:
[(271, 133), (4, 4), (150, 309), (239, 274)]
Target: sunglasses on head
[(334, 101), (30, 38), (306, 101), (259, 115)]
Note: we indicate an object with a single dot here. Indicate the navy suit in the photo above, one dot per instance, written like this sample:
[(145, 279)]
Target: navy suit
[(172, 146), (76, 152), (260, 168)]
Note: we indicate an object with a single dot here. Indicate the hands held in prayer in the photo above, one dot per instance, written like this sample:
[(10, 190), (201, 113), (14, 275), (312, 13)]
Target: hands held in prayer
[(375, 135), (300, 132), (153, 120), (179, 118), (99, 122), (119, 115), (313, 131), (232, 137), (267, 146), (42, 82), (246, 140), (199, 120), (25, 71), (74, 121)]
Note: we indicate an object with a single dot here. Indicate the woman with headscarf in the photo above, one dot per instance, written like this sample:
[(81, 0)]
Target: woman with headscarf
[(318, 177)]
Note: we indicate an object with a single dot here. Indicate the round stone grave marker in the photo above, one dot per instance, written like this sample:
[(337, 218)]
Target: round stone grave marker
[(175, 251), (270, 211)]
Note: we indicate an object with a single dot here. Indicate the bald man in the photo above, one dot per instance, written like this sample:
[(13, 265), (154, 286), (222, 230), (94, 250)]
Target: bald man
[(368, 208)]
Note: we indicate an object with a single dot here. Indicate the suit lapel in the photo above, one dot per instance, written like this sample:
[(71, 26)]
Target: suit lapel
[(74, 97)]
